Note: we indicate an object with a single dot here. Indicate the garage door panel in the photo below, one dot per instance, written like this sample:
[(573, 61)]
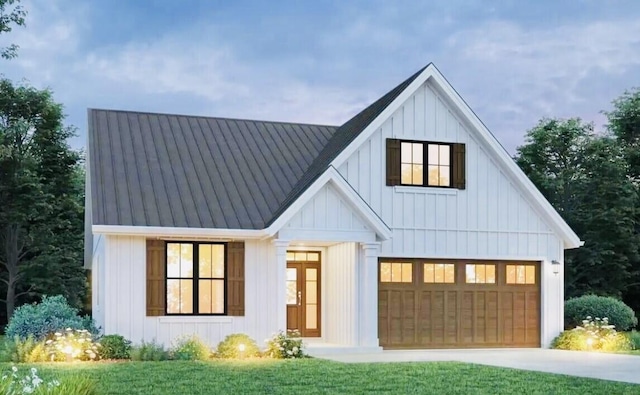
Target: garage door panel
[(437, 317), (397, 324), (425, 314)]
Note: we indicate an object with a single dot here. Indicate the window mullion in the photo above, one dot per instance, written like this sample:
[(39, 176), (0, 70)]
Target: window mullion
[(451, 161), (425, 164), (196, 274)]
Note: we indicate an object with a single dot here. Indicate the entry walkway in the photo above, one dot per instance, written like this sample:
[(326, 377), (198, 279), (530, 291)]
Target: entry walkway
[(617, 367)]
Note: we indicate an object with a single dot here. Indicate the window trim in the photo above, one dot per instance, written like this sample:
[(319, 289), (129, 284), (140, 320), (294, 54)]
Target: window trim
[(425, 164), (195, 278)]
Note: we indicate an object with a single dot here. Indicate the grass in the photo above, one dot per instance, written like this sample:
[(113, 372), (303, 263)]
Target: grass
[(312, 376)]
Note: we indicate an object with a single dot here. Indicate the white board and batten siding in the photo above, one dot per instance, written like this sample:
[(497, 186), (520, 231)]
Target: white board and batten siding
[(124, 307), (98, 281), (341, 294), (328, 216), (490, 219)]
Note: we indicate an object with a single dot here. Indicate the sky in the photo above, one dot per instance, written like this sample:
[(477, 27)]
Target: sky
[(514, 62)]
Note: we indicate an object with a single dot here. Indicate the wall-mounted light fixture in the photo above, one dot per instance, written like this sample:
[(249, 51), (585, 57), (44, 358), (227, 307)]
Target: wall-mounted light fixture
[(555, 265)]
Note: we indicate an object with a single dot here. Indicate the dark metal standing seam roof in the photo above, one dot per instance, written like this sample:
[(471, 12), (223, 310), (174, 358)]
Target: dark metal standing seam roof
[(150, 169)]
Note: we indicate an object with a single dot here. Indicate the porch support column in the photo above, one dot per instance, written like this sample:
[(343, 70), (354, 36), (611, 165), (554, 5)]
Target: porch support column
[(368, 295), (281, 282)]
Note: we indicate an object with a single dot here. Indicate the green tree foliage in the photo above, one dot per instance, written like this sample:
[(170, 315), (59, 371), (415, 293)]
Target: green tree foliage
[(584, 176), (624, 124), (41, 199), (11, 14)]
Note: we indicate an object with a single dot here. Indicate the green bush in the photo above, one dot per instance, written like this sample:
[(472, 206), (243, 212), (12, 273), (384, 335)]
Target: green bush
[(634, 339), (151, 351), (190, 348), (114, 347), (618, 313), (17, 383), (26, 350), (285, 345), (237, 346), (52, 314), (593, 335)]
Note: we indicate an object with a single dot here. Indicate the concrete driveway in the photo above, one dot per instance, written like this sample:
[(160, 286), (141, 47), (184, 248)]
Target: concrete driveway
[(615, 367)]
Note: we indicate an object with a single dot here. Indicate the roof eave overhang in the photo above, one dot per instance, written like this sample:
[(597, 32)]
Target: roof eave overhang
[(331, 175), (176, 232)]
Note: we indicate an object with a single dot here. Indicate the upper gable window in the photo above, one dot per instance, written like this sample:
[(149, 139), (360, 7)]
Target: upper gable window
[(412, 163), (425, 164)]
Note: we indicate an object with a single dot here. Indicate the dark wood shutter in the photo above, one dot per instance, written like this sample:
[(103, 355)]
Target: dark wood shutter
[(235, 279), (459, 177), (156, 256), (393, 162)]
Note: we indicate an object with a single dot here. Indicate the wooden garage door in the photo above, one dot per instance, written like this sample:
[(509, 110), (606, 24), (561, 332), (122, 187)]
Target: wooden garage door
[(458, 304)]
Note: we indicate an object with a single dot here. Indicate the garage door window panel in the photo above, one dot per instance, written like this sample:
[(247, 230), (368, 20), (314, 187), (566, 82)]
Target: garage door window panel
[(521, 274), (396, 272), (480, 273), (439, 273)]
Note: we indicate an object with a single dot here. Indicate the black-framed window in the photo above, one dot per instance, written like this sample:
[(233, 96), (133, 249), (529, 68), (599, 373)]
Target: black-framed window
[(416, 156), (196, 278), (425, 164)]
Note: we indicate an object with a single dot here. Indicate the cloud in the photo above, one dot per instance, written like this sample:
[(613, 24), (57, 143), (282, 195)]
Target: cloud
[(48, 43), (170, 65), (511, 74), (525, 74)]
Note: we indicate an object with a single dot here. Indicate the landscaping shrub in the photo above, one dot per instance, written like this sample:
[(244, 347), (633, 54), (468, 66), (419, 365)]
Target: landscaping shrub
[(190, 348), (618, 313), (151, 351), (634, 339), (237, 346), (593, 335), (114, 347), (16, 383), (51, 315), (72, 344), (23, 350), (285, 345)]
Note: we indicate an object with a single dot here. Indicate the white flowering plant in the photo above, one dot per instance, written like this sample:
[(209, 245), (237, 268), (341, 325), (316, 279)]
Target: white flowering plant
[(19, 383), (593, 335), (72, 345), (285, 345), (16, 383)]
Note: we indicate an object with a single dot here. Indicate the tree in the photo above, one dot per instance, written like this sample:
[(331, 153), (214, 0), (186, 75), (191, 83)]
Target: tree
[(584, 176), (11, 14), (41, 198), (549, 158), (605, 214), (624, 124)]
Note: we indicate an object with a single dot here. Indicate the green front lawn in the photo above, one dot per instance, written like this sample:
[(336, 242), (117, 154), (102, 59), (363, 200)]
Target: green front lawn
[(314, 376)]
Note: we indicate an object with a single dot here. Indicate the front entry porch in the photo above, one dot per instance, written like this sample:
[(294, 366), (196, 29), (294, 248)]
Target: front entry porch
[(328, 292)]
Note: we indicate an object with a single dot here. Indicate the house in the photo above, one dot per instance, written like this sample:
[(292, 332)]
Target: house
[(409, 226)]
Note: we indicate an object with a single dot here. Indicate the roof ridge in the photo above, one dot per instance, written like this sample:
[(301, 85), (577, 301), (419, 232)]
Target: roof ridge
[(211, 117)]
